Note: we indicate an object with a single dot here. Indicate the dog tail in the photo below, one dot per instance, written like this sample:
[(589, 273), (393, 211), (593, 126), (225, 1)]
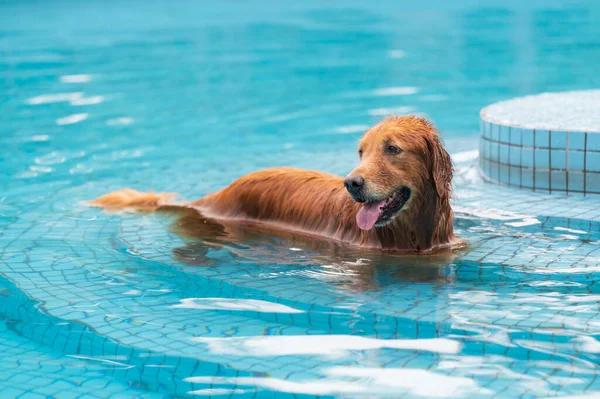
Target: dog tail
[(128, 199)]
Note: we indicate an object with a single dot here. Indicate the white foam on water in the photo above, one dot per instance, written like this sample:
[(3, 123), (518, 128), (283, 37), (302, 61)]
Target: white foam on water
[(583, 298), (120, 121), (26, 175), (570, 230), (72, 119), (79, 78), (396, 54), (216, 392), (87, 100), (525, 222), (238, 304), (40, 137), (396, 91), (591, 395), (54, 98), (465, 156), (511, 218), (588, 344), (307, 387), (489, 213), (324, 345), (570, 237), (365, 381), (418, 382), (352, 129), (52, 158), (41, 169), (80, 169)]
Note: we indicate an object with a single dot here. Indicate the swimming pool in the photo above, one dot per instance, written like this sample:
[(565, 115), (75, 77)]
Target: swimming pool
[(186, 98)]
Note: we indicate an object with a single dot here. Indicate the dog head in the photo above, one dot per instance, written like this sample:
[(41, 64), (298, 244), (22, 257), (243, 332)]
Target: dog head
[(403, 165)]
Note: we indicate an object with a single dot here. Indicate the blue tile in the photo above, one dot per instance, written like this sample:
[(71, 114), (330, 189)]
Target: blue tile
[(576, 140), (558, 159), (593, 161), (542, 159), (575, 181), (527, 136), (515, 176), (503, 173), (504, 151), (593, 141), (515, 156), (527, 178), (542, 180), (493, 170), (558, 139), (504, 134), (11, 393), (482, 149), (495, 132), (559, 180), (542, 138), (527, 158), (493, 154), (515, 136), (592, 182), (575, 161), (485, 130)]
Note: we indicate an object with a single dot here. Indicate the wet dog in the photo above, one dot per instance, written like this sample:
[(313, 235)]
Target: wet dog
[(396, 199)]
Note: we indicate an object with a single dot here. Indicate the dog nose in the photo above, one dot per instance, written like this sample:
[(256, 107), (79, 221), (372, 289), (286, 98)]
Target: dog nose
[(354, 184)]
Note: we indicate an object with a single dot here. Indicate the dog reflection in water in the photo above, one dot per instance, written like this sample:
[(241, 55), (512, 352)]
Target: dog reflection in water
[(397, 200), (341, 264)]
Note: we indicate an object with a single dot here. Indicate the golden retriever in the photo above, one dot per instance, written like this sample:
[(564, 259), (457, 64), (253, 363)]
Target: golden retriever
[(396, 199)]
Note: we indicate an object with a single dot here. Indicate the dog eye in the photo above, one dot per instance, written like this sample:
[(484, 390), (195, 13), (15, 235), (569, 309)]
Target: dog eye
[(360, 153), (392, 149)]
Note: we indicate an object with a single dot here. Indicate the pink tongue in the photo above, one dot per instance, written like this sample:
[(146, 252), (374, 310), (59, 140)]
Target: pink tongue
[(368, 215)]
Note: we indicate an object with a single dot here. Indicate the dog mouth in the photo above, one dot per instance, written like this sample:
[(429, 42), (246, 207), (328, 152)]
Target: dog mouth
[(380, 213)]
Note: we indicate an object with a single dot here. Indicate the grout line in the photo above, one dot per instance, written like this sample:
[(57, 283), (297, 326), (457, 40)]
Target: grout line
[(585, 164), (567, 161), (540, 148), (534, 159), (550, 161)]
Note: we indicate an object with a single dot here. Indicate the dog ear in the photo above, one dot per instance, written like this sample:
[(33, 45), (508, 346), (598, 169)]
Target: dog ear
[(441, 168)]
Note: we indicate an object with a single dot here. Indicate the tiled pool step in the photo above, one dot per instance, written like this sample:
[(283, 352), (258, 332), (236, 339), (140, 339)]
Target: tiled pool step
[(134, 362), (491, 318), (549, 142)]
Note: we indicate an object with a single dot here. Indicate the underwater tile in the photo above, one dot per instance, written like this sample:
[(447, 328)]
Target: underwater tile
[(527, 157), (559, 180), (593, 142), (542, 158), (541, 138), (575, 160), (558, 139), (576, 140), (527, 137), (593, 161), (558, 159)]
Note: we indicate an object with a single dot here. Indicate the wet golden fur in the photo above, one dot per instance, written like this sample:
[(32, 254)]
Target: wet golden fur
[(317, 203)]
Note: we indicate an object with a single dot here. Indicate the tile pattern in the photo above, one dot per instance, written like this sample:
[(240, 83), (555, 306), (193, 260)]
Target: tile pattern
[(540, 160), (520, 301)]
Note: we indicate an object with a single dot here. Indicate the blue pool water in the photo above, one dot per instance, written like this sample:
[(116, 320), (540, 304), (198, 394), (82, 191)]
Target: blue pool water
[(186, 97)]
